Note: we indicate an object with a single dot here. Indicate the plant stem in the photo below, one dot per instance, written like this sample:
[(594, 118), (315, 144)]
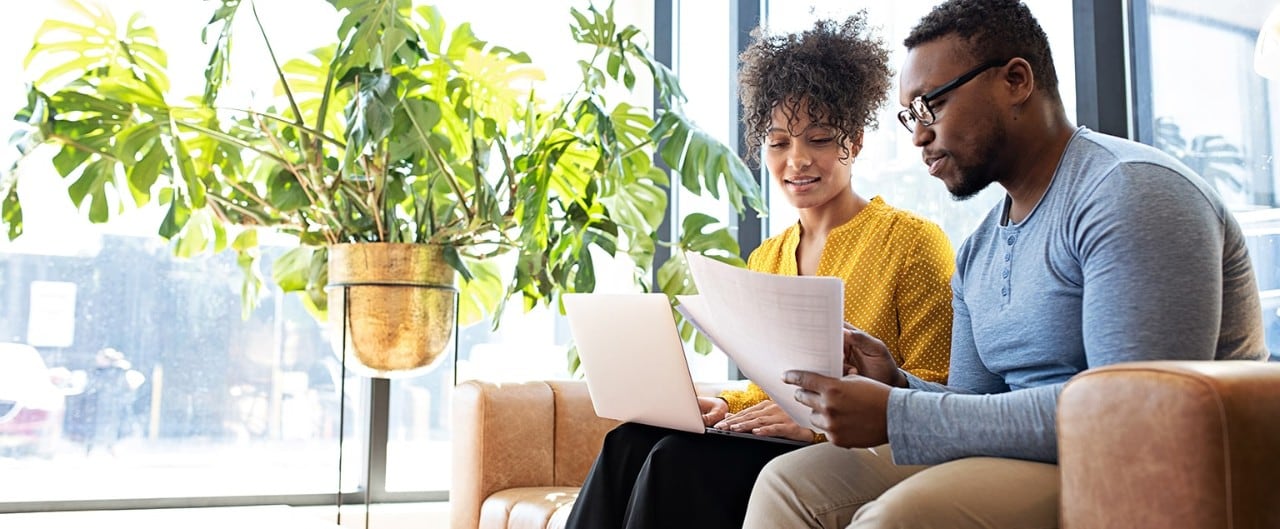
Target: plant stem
[(225, 202), (450, 178), (83, 147), (313, 196), (304, 141), (319, 135)]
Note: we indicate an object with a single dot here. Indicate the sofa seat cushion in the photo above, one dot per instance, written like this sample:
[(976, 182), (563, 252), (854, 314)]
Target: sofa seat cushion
[(528, 508)]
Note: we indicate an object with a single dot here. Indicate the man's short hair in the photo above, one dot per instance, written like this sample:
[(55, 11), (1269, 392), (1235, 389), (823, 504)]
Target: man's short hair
[(994, 30)]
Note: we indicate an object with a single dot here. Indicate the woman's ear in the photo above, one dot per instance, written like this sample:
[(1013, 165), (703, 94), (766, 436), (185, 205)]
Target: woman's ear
[(855, 144)]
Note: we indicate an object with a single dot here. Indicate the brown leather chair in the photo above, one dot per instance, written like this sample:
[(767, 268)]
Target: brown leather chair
[(521, 451), (1170, 445)]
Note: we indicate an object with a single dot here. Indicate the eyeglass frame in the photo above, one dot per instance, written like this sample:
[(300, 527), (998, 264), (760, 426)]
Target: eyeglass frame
[(912, 111)]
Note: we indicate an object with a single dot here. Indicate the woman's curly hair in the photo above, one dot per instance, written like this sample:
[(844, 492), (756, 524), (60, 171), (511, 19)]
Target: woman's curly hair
[(840, 70)]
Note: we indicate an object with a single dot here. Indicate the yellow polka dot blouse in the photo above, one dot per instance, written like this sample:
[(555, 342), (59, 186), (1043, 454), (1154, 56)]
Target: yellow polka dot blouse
[(896, 268)]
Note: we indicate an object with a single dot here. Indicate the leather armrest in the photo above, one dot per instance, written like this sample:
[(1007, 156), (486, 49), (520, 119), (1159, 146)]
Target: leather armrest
[(1171, 444), (532, 434), (503, 436)]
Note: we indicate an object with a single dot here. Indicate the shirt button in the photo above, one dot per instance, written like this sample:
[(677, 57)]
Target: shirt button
[(1004, 273), (1012, 238), (1004, 291), (1008, 257)]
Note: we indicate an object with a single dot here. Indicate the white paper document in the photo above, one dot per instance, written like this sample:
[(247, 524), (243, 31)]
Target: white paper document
[(769, 324)]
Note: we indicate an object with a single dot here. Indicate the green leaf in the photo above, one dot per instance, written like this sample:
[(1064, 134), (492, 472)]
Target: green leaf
[(452, 257), (480, 295), (218, 69), (247, 240), (193, 240), (365, 32), (174, 219), (638, 205), (369, 115), (674, 277), (718, 244), (144, 174), (251, 284), (89, 40), (584, 277), (697, 154), (701, 344), (318, 279), (11, 213), (91, 183), (285, 193), (291, 270), (191, 176)]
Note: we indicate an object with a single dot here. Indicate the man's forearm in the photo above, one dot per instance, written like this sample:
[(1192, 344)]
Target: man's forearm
[(927, 428)]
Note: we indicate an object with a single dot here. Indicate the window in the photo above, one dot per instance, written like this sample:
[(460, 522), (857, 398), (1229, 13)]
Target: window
[(196, 389), (223, 406), (1211, 110)]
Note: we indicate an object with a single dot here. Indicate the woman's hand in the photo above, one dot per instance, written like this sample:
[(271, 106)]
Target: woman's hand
[(765, 418), (713, 410)]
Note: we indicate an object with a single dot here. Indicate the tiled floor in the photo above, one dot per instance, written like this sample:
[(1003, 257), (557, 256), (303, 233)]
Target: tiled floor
[(389, 516)]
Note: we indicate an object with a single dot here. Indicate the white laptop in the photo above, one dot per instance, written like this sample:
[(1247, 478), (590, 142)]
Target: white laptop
[(634, 362)]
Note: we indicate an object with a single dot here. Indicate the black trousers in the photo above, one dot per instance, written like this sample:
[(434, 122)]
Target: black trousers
[(649, 478)]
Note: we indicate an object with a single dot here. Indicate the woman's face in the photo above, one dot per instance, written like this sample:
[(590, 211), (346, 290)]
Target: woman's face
[(805, 159)]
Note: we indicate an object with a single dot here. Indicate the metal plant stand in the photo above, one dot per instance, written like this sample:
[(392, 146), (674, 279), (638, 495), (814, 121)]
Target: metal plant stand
[(342, 393)]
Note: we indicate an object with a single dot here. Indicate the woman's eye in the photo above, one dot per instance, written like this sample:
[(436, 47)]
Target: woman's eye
[(821, 140), (777, 144)]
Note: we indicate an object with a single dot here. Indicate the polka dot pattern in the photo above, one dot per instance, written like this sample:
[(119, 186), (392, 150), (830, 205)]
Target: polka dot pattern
[(896, 267)]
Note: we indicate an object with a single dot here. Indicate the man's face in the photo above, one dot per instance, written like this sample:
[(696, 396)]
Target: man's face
[(961, 146)]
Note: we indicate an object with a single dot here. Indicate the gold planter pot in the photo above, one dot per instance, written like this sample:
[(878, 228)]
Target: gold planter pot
[(394, 302)]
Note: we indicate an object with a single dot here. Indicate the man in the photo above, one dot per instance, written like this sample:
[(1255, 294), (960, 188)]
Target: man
[(1103, 251)]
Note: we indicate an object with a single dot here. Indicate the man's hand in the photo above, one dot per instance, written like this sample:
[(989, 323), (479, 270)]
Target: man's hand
[(866, 355), (766, 418), (713, 410), (851, 410)]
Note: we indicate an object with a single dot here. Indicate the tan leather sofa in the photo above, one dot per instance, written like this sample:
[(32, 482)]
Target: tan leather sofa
[(1170, 445)]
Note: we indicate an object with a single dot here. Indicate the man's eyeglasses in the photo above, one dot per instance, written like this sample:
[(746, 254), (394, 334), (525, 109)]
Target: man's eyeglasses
[(920, 113)]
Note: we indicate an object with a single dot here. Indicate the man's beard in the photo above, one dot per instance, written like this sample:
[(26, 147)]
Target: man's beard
[(976, 177)]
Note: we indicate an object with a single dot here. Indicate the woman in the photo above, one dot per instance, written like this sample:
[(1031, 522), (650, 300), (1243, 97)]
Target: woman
[(807, 98)]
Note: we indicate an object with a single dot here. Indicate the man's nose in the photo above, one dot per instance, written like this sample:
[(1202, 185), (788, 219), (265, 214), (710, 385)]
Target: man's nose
[(922, 135)]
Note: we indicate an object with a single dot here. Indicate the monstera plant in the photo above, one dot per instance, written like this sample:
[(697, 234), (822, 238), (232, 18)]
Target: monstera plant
[(403, 129)]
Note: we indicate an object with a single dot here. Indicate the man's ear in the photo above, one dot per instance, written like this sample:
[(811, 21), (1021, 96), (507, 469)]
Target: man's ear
[(1020, 79)]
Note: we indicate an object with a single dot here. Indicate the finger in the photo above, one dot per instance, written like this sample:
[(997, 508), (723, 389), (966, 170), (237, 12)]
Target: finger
[(860, 341), (773, 430), (724, 421), (806, 397), (806, 379)]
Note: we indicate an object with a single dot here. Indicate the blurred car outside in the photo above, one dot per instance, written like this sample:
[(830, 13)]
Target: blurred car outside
[(32, 402)]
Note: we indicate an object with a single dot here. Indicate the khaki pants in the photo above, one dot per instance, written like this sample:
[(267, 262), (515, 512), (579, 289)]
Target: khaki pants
[(825, 486)]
